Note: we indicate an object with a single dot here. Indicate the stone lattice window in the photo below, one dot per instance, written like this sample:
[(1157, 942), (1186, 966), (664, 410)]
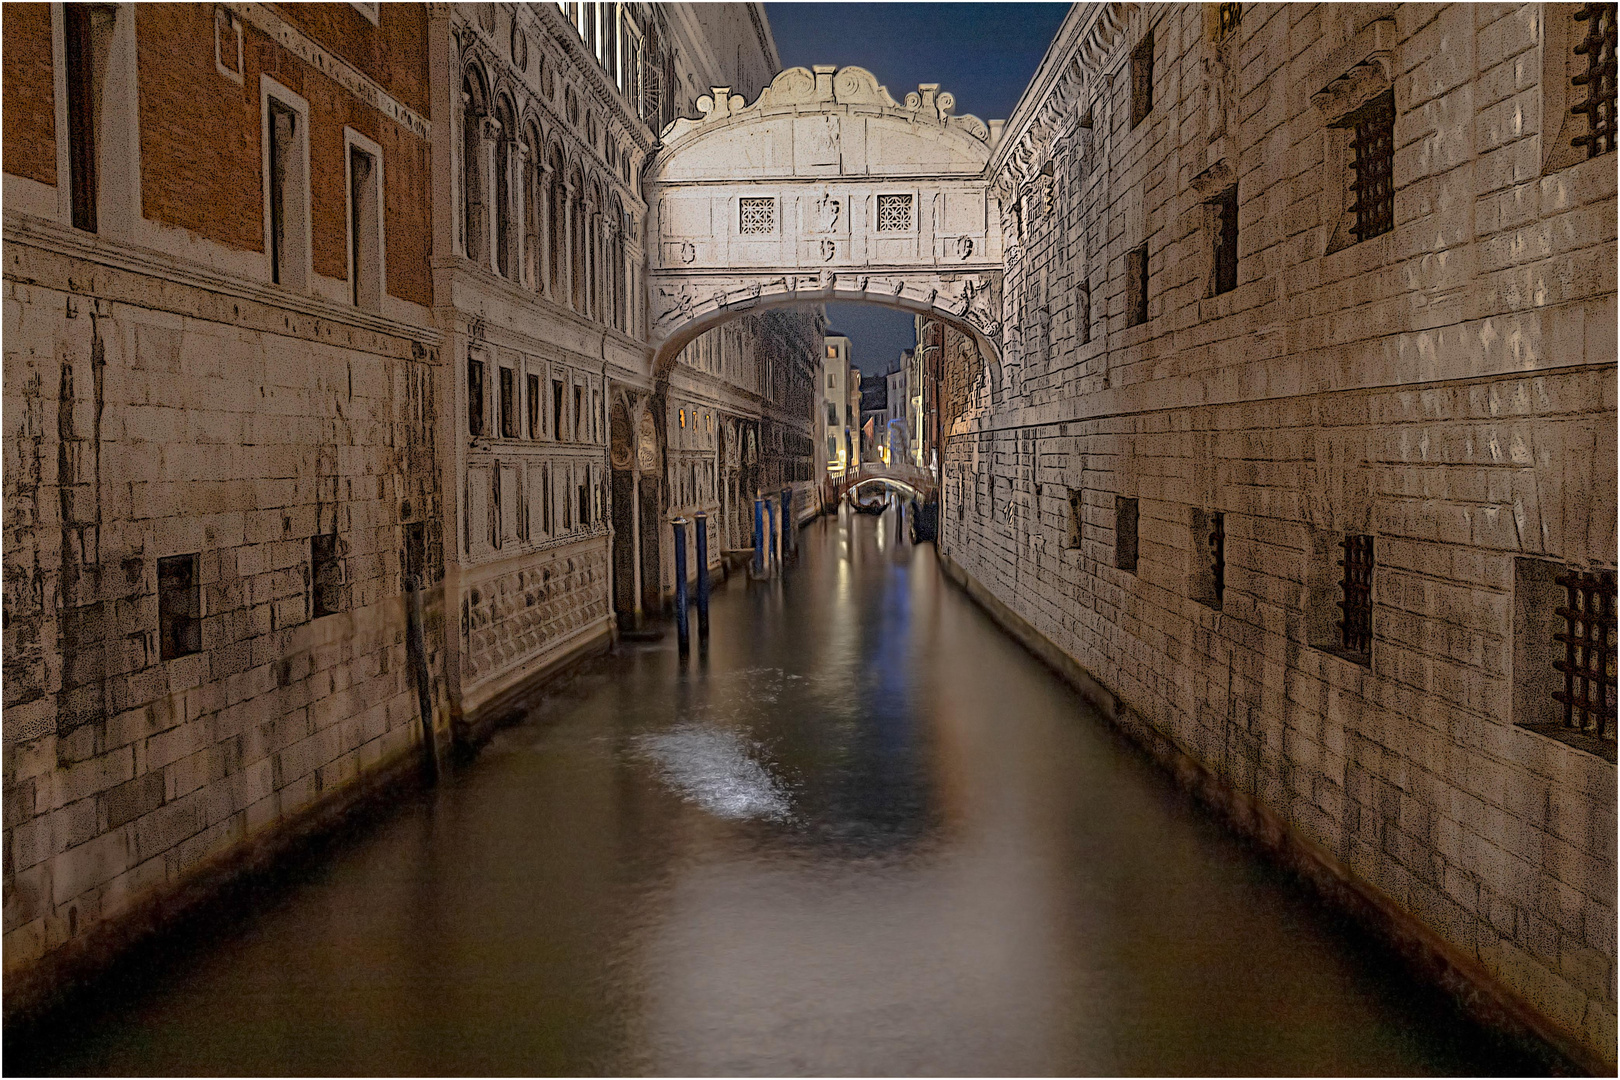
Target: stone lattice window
[(1374, 183), (508, 403), (756, 216), (475, 397), (1355, 624), (1588, 666), (1598, 79), (894, 213)]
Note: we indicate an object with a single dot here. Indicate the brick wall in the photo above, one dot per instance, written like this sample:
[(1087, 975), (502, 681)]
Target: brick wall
[(30, 92), (1447, 387)]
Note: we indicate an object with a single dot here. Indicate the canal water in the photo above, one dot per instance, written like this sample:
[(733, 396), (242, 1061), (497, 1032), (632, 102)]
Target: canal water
[(865, 833)]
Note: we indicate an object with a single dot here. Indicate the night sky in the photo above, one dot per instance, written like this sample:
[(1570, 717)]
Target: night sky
[(985, 54)]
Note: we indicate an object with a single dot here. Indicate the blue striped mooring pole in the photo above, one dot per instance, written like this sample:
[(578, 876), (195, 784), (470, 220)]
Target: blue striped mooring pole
[(701, 534), (759, 537), (681, 630), (770, 507)]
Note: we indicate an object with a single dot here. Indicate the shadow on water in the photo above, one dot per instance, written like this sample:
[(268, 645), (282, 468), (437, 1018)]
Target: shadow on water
[(861, 832)]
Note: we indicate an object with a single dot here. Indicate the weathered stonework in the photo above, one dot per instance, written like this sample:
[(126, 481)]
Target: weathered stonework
[(1447, 388)]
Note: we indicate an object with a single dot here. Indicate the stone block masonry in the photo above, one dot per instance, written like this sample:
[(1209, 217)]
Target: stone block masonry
[(1446, 388), (152, 420)]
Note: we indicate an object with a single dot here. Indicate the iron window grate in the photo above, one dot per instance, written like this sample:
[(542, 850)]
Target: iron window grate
[(1355, 626), (1598, 46), (1374, 166), (757, 216), (1588, 665), (1217, 555), (1227, 19), (894, 213)]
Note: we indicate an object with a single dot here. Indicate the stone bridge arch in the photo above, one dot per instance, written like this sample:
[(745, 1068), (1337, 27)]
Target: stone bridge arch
[(824, 189)]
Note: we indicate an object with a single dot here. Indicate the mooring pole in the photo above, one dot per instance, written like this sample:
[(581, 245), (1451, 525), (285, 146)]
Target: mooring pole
[(680, 584), (416, 655), (770, 507), (790, 534), (701, 534), (759, 537)]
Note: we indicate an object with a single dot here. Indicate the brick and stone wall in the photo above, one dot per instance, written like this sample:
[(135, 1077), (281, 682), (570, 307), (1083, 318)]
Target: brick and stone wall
[(1447, 388)]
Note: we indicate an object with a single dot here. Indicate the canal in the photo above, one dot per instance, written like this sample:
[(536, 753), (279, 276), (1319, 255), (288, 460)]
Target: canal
[(865, 833)]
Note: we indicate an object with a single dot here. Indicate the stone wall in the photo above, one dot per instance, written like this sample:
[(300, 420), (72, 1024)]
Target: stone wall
[(1447, 388), (148, 418)]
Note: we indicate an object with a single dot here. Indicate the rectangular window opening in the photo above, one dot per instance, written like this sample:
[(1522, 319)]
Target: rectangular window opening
[(1073, 535), (1125, 517), (365, 240), (557, 424), (288, 194), (1355, 605), (179, 607), (508, 403), (475, 397), (325, 576), (82, 112), (1136, 285), (1226, 241), (579, 414), (1142, 79), (535, 423)]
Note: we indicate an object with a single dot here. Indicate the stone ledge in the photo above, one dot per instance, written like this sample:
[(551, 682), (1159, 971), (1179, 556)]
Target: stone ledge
[(1476, 992)]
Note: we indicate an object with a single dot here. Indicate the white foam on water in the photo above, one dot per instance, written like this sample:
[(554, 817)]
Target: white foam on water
[(716, 770)]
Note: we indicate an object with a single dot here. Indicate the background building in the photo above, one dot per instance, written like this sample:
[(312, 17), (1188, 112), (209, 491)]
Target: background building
[(837, 421)]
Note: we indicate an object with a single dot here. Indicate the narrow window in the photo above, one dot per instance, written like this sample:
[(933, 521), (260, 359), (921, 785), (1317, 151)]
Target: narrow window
[(1083, 312), (475, 233), (508, 404), (325, 575), (475, 397), (584, 501), (1125, 511), (567, 503), (1598, 46), (1374, 184), (1142, 80), (365, 240), (1072, 539), (1587, 665), (1227, 19), (579, 413), (1136, 285), (1226, 240), (1355, 623), (81, 112), (533, 386), (557, 425), (179, 605), (1217, 557)]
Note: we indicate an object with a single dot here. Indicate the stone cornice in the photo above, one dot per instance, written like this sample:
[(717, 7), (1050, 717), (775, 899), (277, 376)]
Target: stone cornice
[(47, 236), (1050, 106)]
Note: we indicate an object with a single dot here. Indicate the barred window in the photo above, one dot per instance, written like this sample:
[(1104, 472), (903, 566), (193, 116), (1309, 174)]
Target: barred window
[(1217, 557), (757, 216), (1587, 666), (1227, 18), (1142, 79), (1598, 47), (1355, 624), (1374, 184), (894, 213), (1136, 288)]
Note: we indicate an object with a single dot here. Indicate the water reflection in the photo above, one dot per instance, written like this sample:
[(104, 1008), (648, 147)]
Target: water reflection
[(868, 835)]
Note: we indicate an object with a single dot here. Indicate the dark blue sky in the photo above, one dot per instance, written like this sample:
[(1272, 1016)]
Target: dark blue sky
[(985, 54)]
